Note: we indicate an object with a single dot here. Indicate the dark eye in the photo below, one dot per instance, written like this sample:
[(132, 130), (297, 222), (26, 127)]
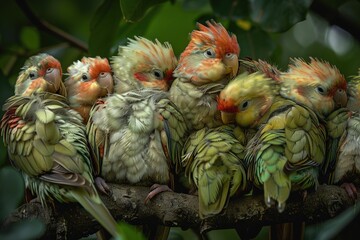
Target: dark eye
[(229, 55), (33, 75), (102, 74), (320, 90), (244, 105), (49, 70), (84, 77), (209, 53), (158, 74)]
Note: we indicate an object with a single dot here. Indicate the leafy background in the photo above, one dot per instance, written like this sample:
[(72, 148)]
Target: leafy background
[(273, 30)]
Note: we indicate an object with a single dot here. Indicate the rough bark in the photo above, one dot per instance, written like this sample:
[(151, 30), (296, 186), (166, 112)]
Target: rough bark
[(71, 221)]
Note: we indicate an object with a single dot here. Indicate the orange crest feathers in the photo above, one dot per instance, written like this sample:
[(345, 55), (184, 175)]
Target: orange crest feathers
[(97, 65), (214, 34), (49, 62), (316, 71)]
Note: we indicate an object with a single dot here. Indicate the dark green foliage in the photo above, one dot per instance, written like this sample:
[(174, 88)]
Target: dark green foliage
[(270, 29)]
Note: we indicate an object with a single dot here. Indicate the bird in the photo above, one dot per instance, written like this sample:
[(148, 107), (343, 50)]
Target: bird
[(46, 140), (213, 161), (209, 61), (278, 162), (137, 132), (343, 166), (88, 80)]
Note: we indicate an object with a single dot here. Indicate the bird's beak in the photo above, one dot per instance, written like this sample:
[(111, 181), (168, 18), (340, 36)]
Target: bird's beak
[(232, 65), (106, 82), (227, 108), (54, 80), (340, 98), (227, 117)]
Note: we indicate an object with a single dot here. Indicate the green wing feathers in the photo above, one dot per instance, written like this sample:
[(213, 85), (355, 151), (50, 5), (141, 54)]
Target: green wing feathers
[(174, 132), (46, 140), (336, 124), (213, 161), (305, 143)]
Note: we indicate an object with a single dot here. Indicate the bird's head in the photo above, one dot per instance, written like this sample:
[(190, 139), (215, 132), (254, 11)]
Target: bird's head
[(88, 80), (317, 85), (247, 98), (143, 64), (40, 73), (211, 55)]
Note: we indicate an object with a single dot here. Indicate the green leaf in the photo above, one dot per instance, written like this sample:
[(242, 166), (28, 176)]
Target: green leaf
[(254, 43), (194, 4), (135, 10), (30, 38), (12, 192), (25, 230), (129, 30), (231, 9), (129, 232), (278, 15), (103, 28), (330, 228), (166, 26)]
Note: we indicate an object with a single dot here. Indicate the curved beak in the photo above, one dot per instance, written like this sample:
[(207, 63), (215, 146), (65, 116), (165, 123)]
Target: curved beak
[(106, 82), (232, 64), (54, 80), (227, 108), (340, 98)]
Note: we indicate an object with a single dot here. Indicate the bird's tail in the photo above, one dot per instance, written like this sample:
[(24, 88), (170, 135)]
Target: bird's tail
[(98, 210)]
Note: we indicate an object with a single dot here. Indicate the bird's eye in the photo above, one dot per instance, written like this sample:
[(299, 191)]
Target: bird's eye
[(84, 77), (49, 70), (158, 74), (209, 53), (340, 90), (321, 90), (244, 105), (229, 55), (103, 74), (33, 75)]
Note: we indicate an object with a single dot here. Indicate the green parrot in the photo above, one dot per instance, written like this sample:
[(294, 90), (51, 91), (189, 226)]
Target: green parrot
[(289, 144), (46, 140)]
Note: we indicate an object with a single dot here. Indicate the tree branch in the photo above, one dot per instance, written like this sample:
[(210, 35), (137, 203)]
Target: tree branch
[(333, 16), (47, 27), (181, 210)]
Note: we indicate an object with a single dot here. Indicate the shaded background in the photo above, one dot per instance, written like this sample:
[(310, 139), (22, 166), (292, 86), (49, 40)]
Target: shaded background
[(273, 30)]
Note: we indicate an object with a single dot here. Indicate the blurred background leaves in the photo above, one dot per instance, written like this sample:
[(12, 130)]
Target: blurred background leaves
[(273, 30)]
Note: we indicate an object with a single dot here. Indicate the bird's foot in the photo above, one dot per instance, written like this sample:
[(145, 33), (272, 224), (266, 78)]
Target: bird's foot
[(102, 186), (156, 189), (350, 189), (304, 195)]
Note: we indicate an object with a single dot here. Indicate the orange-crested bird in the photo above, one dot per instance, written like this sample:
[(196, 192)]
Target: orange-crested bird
[(46, 140), (213, 154), (88, 80), (208, 62), (137, 132)]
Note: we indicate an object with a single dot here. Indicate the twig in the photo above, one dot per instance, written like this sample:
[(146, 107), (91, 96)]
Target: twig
[(181, 210), (47, 27)]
